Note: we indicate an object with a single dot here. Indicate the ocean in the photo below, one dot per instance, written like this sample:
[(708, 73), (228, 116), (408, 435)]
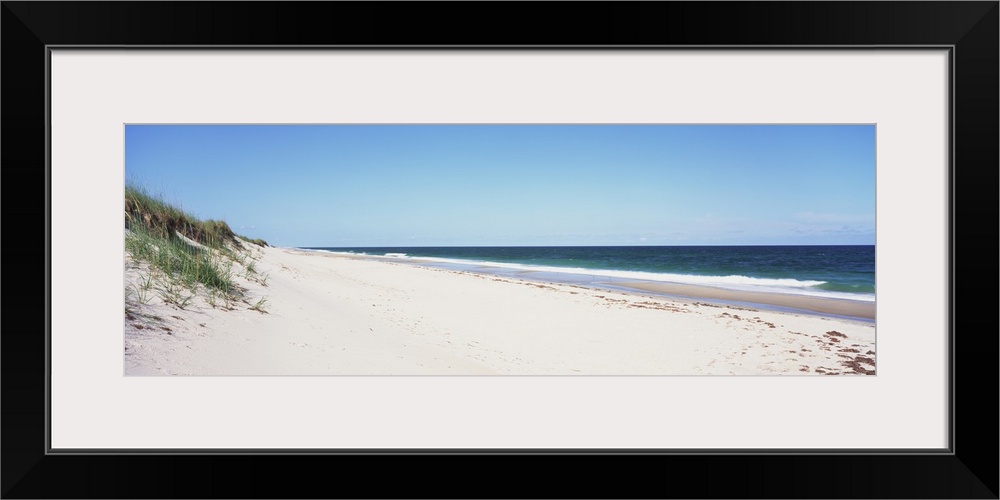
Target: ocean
[(840, 272)]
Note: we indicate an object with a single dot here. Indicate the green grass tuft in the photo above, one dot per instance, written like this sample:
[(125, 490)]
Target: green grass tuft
[(154, 235), (259, 306)]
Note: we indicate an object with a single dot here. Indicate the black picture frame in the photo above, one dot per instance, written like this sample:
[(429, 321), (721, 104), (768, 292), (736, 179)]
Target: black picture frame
[(968, 470)]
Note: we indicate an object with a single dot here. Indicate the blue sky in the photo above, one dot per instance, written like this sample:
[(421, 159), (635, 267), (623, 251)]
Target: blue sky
[(467, 185)]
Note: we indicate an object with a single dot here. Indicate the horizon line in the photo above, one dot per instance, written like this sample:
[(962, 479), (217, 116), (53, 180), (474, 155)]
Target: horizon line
[(596, 246)]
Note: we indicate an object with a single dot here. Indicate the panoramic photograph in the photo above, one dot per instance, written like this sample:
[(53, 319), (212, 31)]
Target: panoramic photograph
[(480, 249)]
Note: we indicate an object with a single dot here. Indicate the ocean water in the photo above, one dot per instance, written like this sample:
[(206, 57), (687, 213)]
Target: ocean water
[(844, 272)]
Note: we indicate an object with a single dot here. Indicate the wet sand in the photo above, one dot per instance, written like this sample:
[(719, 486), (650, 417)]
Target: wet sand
[(853, 308)]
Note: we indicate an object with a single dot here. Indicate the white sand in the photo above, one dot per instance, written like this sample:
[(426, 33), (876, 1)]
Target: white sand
[(335, 315)]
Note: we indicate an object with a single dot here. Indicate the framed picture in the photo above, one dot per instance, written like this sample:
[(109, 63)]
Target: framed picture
[(918, 78)]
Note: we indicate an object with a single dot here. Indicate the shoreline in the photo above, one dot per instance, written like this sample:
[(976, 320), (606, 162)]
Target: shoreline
[(329, 314), (839, 307), (842, 308)]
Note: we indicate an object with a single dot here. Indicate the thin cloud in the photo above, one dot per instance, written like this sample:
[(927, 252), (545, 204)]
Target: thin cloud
[(834, 218)]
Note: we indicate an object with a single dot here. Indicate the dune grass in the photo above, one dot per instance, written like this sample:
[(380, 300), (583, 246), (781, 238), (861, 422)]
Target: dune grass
[(144, 211), (187, 250)]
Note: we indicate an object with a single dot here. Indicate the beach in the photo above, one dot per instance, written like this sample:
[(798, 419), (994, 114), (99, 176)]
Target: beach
[(332, 314)]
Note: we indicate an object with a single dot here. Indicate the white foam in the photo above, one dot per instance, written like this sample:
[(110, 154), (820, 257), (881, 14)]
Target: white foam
[(318, 250), (335, 252), (732, 282)]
